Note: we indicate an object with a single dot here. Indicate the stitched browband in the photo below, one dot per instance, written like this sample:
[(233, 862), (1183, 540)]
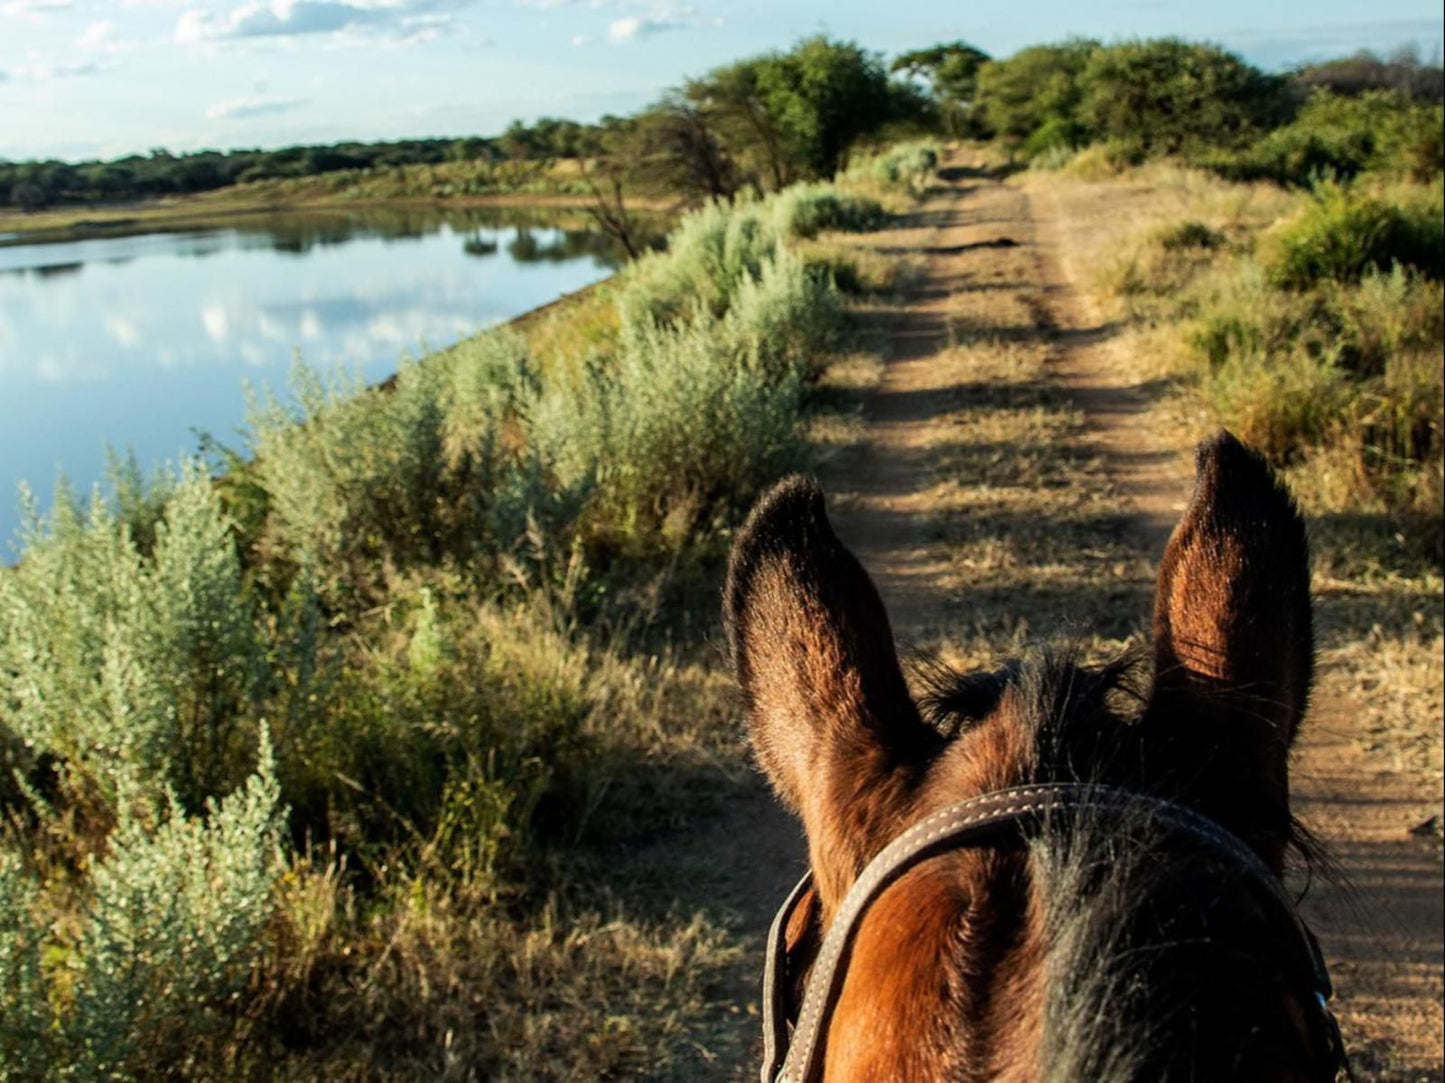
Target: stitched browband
[(962, 825)]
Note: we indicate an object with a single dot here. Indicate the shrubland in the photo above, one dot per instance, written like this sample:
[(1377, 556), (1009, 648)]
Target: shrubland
[(302, 749), (1309, 322)]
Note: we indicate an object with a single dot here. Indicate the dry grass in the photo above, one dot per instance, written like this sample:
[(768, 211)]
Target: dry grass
[(1378, 581)]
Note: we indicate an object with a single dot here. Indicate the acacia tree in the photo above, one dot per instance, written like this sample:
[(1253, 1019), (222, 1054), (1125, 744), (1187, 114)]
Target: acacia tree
[(788, 116), (1031, 100), (732, 100), (951, 72), (678, 149)]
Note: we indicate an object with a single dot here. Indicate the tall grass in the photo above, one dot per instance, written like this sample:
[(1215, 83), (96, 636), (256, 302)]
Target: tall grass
[(1317, 336)]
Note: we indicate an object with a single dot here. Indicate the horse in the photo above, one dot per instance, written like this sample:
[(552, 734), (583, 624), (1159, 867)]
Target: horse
[(1053, 870)]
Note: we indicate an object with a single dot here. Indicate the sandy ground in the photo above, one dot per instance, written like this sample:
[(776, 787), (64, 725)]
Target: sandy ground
[(976, 235)]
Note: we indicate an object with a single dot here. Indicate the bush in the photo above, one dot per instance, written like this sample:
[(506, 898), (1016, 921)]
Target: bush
[(908, 166), (1167, 95), (1380, 132), (806, 210), (1190, 234), (121, 662), (1282, 405), (695, 415), (170, 927), (1344, 233)]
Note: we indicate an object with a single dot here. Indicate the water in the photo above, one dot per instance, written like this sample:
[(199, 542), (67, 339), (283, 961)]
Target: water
[(142, 342)]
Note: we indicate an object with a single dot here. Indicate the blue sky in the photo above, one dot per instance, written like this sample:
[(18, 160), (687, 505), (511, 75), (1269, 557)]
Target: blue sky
[(85, 78)]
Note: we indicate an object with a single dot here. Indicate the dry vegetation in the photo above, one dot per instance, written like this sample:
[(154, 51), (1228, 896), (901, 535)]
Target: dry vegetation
[(1374, 519)]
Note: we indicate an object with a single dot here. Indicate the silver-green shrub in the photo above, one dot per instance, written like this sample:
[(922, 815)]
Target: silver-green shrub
[(699, 411), (26, 1044), (176, 912), (111, 660), (806, 210), (351, 473), (904, 165), (719, 248), (171, 925)]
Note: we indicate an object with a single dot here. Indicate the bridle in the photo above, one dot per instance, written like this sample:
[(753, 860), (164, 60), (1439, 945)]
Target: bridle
[(791, 1050)]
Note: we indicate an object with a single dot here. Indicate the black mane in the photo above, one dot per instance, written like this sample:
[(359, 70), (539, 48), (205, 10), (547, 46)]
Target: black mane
[(1164, 961)]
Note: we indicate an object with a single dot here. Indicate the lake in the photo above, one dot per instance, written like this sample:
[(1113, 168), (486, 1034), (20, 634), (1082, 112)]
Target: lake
[(141, 342)]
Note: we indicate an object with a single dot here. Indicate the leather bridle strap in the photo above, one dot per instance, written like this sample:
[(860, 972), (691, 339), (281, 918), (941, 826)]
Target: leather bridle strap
[(967, 824)]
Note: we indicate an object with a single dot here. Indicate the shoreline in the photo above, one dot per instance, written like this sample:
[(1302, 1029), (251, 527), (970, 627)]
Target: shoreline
[(162, 216)]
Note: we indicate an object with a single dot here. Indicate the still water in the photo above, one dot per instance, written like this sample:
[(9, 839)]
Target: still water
[(142, 342)]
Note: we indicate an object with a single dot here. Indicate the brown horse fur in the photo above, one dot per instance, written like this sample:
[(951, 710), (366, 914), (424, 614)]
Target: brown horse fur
[(1100, 951)]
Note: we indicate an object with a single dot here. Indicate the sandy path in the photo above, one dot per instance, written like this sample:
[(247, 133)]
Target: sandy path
[(1384, 941), (1381, 928)]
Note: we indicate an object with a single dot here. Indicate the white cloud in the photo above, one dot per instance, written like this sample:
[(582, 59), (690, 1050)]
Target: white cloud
[(40, 71), (255, 106), (410, 21), (34, 10), (123, 330), (101, 37), (581, 39), (636, 27), (216, 321)]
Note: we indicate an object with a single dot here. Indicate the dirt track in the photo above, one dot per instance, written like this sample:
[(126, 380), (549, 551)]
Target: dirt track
[(992, 255)]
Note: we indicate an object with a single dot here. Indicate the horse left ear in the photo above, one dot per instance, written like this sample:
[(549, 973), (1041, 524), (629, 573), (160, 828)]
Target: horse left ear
[(829, 712), (1233, 645)]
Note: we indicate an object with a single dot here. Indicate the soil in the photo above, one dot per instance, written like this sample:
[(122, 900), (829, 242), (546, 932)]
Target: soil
[(1381, 925)]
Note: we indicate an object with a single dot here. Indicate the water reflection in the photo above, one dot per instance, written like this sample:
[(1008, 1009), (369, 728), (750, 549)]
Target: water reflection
[(138, 339)]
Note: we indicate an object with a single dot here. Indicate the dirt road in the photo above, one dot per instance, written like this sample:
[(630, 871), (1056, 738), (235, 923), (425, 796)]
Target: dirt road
[(1010, 483)]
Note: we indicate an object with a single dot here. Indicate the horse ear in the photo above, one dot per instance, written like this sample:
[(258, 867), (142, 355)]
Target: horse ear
[(829, 712), (1233, 645)]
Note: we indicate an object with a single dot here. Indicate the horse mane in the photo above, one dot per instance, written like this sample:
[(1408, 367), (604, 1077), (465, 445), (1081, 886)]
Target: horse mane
[(1155, 952)]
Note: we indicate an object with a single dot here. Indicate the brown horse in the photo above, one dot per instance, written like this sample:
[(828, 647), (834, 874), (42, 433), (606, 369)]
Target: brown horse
[(1089, 937)]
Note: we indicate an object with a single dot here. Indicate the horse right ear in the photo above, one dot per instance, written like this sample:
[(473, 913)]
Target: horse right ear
[(1233, 646), (829, 713)]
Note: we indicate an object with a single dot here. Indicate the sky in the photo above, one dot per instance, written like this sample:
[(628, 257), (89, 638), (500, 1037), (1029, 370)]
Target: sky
[(102, 78)]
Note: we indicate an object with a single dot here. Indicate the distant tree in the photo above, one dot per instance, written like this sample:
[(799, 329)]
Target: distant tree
[(951, 72), (1166, 95), (520, 142), (29, 195), (1365, 71), (732, 100), (678, 150), (468, 149), (1035, 94)]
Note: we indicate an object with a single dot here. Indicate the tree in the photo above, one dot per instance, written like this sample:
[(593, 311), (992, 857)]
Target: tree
[(678, 150), (731, 99), (1364, 71), (785, 116), (951, 71), (1037, 90), (1167, 95), (607, 176), (825, 96)]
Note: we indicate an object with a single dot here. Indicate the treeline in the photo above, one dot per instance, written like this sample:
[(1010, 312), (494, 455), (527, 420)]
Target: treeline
[(772, 120), (33, 185), (1144, 99), (764, 122)]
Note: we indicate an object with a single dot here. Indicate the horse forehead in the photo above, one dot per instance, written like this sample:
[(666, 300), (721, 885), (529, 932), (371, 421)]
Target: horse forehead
[(993, 753), (945, 978)]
